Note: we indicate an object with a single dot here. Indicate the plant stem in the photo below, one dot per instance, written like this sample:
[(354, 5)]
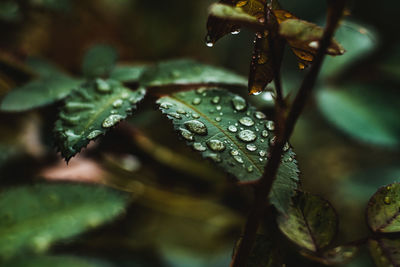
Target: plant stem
[(284, 128)]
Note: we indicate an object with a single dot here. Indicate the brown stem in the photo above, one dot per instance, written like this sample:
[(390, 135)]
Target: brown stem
[(284, 130)]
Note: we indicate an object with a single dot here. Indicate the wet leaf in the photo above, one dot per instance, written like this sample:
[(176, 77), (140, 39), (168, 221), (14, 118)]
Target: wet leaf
[(186, 72), (385, 252), (383, 211), (99, 61), (265, 253), (226, 129), (59, 261), (35, 217), (334, 256), (311, 222), (38, 93), (90, 111), (366, 112), (359, 41), (234, 15)]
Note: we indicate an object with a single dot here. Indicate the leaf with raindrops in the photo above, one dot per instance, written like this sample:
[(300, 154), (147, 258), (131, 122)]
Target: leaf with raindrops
[(224, 128), (90, 111), (385, 252), (311, 222), (383, 211), (185, 72), (35, 217)]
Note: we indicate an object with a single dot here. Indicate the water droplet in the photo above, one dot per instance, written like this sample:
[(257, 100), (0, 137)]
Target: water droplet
[(175, 115), (181, 111), (246, 121), (238, 158), (118, 103), (102, 86), (256, 92), (239, 103), (232, 128), (209, 41), (273, 140), (235, 31), (261, 19), (187, 134), (250, 168), (251, 147), (264, 133), (259, 115), (216, 145), (216, 99), (165, 105), (234, 152), (314, 44), (196, 127), (125, 95), (262, 153), (215, 157), (218, 108), (218, 119), (93, 134), (270, 125), (201, 90), (247, 136), (195, 116), (111, 121), (387, 200), (133, 100), (199, 147), (196, 101)]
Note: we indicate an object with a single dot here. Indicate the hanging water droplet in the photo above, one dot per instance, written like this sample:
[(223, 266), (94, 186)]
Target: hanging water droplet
[(175, 115), (118, 103), (234, 152), (259, 115), (270, 125), (246, 121), (235, 31), (196, 127), (102, 86), (215, 157), (196, 101), (251, 147), (232, 128), (264, 133), (216, 145), (238, 158), (187, 134), (165, 105), (94, 134), (239, 103), (199, 147), (218, 119), (313, 44), (111, 121), (387, 200), (209, 41), (181, 111), (216, 99), (247, 136)]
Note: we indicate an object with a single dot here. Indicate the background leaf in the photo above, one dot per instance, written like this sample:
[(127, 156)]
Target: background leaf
[(34, 217), (127, 73), (385, 252), (383, 211), (364, 111), (52, 261), (224, 128), (186, 72), (311, 222), (99, 61), (93, 109)]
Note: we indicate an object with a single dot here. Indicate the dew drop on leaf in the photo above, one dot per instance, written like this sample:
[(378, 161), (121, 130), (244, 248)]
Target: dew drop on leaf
[(102, 86), (239, 103), (199, 147), (270, 125), (234, 152), (196, 101), (187, 134), (215, 157), (238, 158), (175, 115), (232, 128), (215, 99), (264, 133), (216, 145), (246, 121), (165, 105), (247, 136), (118, 103), (259, 115), (262, 153), (111, 121), (196, 127), (93, 134), (251, 147)]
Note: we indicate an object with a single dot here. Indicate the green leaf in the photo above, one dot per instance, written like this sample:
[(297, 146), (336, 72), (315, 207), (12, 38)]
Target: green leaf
[(365, 111), (99, 61), (385, 252), (51, 261), (187, 72), (90, 111), (265, 253), (230, 132), (236, 14), (311, 222), (334, 256), (38, 93), (359, 42), (127, 73), (34, 217), (383, 211)]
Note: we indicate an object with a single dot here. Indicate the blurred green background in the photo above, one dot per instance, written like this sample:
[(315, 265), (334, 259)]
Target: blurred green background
[(184, 211)]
